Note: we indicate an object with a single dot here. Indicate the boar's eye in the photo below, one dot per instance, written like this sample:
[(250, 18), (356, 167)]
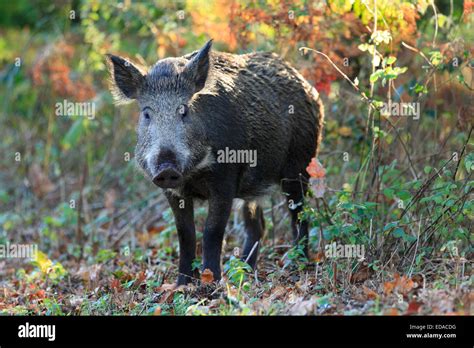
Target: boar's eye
[(146, 116), (183, 110)]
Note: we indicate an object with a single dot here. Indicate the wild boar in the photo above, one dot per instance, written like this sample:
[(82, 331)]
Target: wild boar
[(217, 126)]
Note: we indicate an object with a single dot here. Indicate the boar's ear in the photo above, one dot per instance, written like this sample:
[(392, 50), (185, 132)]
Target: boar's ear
[(126, 79), (197, 68)]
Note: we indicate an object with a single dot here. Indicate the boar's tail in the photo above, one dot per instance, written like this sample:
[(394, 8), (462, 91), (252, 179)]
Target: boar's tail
[(318, 109)]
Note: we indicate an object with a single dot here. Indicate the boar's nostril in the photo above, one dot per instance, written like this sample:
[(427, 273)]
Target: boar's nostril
[(168, 177), (166, 155)]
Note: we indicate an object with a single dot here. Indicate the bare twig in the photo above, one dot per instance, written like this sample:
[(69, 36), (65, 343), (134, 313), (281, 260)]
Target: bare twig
[(251, 252), (304, 49), (436, 22)]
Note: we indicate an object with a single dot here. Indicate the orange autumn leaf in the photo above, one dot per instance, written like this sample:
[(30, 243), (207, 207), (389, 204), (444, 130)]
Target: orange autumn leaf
[(315, 169), (401, 284), (157, 311), (40, 294), (388, 287), (405, 284), (141, 277), (319, 257), (156, 229), (116, 285), (371, 294), (207, 276), (413, 307), (391, 311)]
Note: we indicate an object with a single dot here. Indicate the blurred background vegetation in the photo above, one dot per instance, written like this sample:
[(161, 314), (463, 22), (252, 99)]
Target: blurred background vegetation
[(400, 186)]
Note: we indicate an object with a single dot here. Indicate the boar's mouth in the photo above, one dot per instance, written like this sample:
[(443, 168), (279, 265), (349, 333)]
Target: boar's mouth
[(167, 176)]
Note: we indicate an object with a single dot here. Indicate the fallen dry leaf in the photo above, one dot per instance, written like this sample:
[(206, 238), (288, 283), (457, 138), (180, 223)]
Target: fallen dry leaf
[(362, 274), (391, 311), (388, 287), (157, 311), (303, 307), (402, 285), (371, 294), (167, 287), (168, 291), (140, 278), (40, 183), (413, 307), (277, 292), (319, 256), (116, 285), (418, 279), (207, 276), (155, 229), (405, 285)]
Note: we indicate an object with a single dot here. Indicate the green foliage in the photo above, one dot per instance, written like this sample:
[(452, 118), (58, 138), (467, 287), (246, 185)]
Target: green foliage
[(48, 269), (237, 270)]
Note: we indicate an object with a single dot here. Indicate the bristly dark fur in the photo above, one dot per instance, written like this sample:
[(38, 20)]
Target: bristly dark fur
[(255, 102)]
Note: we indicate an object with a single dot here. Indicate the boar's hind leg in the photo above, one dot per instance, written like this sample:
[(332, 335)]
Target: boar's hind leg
[(184, 216), (295, 191), (254, 227)]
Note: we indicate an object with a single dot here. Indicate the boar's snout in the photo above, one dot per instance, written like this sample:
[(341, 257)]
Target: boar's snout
[(165, 172), (167, 176)]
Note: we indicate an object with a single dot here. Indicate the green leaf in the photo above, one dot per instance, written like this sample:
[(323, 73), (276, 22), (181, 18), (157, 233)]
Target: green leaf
[(442, 20), (363, 47), (388, 193), (375, 76), (390, 60), (390, 225), (420, 89), (71, 138), (403, 195), (436, 58), (398, 233), (469, 162)]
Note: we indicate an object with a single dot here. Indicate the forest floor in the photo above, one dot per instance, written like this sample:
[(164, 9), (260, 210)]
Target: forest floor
[(140, 282)]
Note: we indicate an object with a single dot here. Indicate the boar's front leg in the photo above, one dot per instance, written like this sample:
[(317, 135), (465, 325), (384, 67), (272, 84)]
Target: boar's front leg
[(220, 206), (183, 212)]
